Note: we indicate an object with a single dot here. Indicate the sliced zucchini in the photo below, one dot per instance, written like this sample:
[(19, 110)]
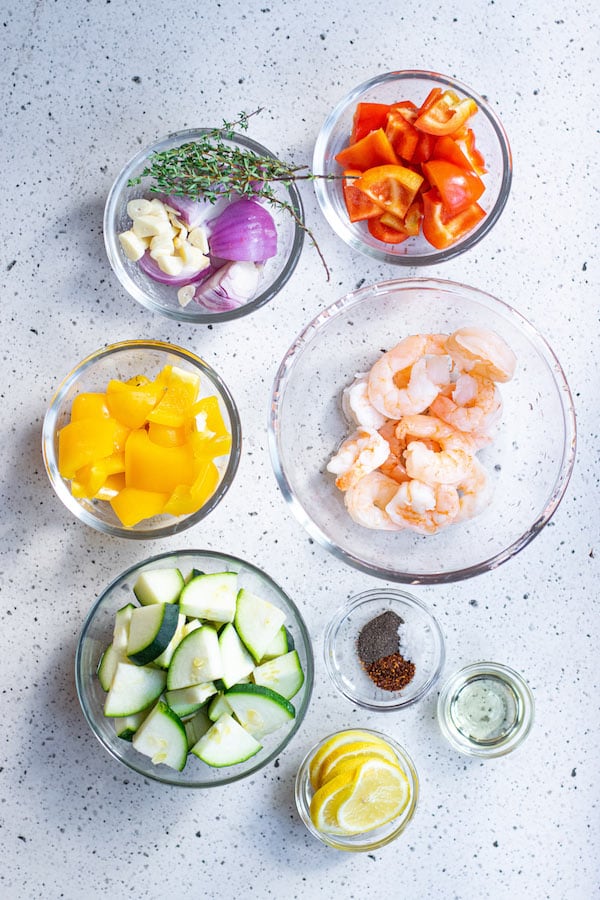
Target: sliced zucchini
[(281, 643), (158, 586), (150, 631), (257, 622), (225, 743), (164, 660), (107, 666), (196, 727), (237, 662), (185, 701), (121, 627), (133, 689), (127, 726), (211, 597), (197, 659), (190, 626), (162, 737), (217, 706), (259, 709), (283, 674), (193, 574)]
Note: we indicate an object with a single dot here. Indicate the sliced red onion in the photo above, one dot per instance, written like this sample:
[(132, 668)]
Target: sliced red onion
[(231, 286), (151, 268), (244, 231), (191, 212)]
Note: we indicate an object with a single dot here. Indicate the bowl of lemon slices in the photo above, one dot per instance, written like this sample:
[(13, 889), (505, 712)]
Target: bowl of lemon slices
[(337, 784)]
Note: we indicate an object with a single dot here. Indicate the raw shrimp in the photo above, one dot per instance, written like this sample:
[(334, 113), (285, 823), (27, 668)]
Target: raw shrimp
[(404, 380), (393, 466), (356, 405), (434, 432), (361, 453), (367, 499), (436, 466), (473, 406), (424, 508), (474, 492), (479, 351)]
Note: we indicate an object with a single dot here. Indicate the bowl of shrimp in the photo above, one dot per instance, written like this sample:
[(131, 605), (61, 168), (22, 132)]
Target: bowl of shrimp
[(408, 430)]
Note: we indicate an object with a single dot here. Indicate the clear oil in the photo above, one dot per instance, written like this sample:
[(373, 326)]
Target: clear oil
[(485, 709)]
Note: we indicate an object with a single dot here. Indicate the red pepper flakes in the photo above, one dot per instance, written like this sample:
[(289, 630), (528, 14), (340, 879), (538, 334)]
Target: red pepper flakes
[(391, 673)]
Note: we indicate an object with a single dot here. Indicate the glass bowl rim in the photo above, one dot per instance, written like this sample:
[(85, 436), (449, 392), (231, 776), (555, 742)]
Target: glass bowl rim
[(340, 307), (167, 778), (51, 464), (336, 841), (114, 255), (342, 227), (384, 593), (517, 683)]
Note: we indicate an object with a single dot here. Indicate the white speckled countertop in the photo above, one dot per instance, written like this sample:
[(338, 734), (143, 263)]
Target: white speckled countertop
[(85, 85)]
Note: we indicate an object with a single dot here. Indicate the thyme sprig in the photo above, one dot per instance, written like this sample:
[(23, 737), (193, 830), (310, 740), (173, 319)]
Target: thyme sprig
[(212, 169)]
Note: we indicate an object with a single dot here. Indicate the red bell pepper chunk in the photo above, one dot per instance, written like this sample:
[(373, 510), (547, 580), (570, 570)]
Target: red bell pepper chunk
[(372, 150), (446, 115), (385, 233), (447, 148), (358, 204), (442, 230), (368, 117), (467, 145), (393, 187), (403, 136), (432, 97), (458, 188), (424, 148)]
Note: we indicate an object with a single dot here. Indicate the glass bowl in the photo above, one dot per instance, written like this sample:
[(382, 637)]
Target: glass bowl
[(163, 298), (491, 141), (370, 840), (485, 710), (421, 642), (96, 634), (123, 361), (529, 461)]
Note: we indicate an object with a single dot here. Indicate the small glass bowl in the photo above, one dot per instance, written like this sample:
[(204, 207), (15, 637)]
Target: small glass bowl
[(123, 361), (421, 642), (529, 466), (96, 634), (392, 87), (485, 710), (370, 840), (163, 298)]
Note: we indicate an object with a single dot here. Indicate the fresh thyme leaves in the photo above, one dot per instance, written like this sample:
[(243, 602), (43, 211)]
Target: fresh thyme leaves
[(213, 169)]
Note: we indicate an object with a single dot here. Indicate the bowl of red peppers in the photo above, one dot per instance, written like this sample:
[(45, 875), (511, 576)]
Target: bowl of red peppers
[(417, 168)]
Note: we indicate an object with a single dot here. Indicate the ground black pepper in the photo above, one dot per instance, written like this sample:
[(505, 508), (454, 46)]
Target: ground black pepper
[(378, 648)]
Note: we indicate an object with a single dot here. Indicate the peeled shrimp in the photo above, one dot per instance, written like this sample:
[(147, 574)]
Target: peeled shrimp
[(404, 381), (473, 406), (479, 351), (436, 467), (393, 466), (474, 492), (356, 405), (366, 502), (361, 453), (432, 431), (424, 508)]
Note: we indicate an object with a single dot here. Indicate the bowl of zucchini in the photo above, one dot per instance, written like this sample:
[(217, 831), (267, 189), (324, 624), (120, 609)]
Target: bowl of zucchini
[(194, 668)]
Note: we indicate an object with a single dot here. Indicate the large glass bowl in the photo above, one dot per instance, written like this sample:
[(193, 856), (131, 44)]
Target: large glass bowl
[(529, 461), (96, 634), (163, 298), (391, 87), (123, 361)]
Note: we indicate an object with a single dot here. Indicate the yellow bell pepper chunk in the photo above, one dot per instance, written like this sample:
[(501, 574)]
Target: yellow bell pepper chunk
[(131, 403), (89, 479), (208, 446), (88, 405), (210, 408), (150, 467), (187, 499), (84, 441), (175, 407), (132, 505), (111, 487), (167, 436)]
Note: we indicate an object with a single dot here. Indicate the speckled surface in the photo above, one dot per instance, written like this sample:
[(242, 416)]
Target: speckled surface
[(85, 85)]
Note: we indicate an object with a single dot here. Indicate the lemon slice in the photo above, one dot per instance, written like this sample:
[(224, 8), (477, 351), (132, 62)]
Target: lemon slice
[(325, 802), (347, 763), (338, 740), (378, 793)]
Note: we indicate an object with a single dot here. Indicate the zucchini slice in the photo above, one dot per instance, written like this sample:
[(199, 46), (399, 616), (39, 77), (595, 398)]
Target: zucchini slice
[(217, 706), (237, 662), (225, 743), (185, 701), (127, 726), (162, 737), (196, 659), (257, 622), (150, 631), (211, 597), (158, 586), (283, 674), (281, 643), (197, 726), (259, 709), (133, 689), (107, 666)]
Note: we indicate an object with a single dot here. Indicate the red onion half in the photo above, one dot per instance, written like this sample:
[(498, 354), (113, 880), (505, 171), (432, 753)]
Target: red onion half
[(245, 231), (151, 268)]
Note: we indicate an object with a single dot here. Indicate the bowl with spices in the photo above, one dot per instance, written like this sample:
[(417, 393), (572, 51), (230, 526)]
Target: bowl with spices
[(198, 228), (357, 790), (419, 168), (384, 649)]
